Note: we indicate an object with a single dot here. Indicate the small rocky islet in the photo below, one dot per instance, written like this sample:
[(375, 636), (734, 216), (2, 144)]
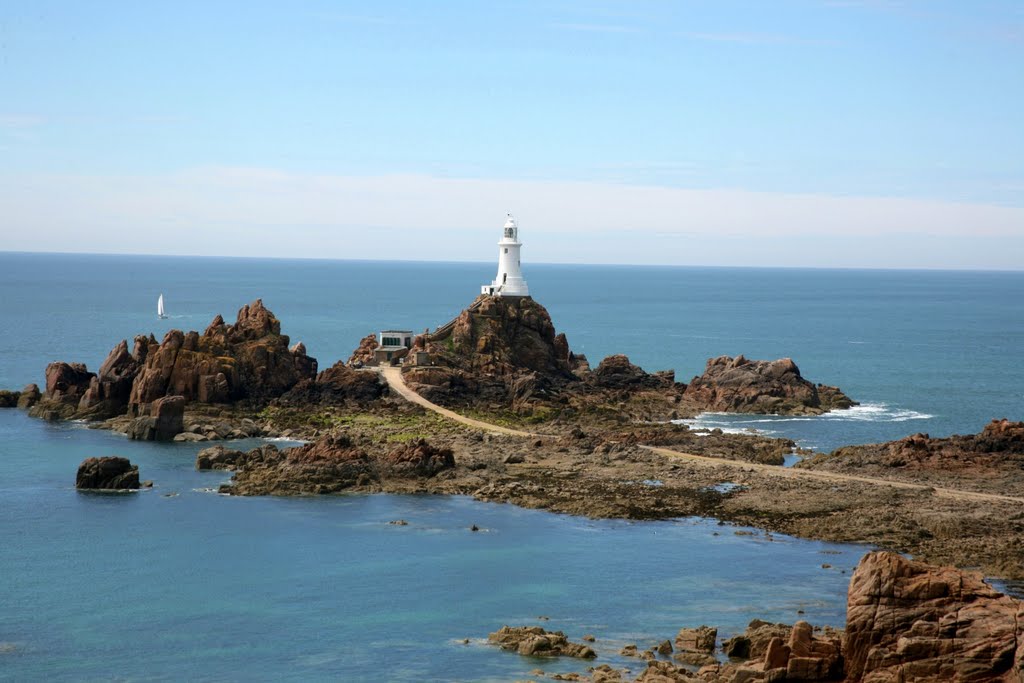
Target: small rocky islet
[(605, 446)]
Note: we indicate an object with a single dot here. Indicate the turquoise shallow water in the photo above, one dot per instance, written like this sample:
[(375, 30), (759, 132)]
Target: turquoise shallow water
[(199, 586)]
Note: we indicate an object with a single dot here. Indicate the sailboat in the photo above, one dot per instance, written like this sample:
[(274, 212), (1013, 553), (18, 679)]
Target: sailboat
[(160, 308)]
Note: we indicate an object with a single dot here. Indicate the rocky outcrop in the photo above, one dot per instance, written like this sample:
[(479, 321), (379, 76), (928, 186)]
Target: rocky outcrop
[(110, 473), (416, 458), (219, 458), (534, 641), (247, 360), (753, 644), (9, 399), (164, 422), (616, 372), (332, 464), (738, 385), (29, 396), (66, 383), (110, 389), (363, 355), (500, 348), (337, 385), (909, 621), (700, 639)]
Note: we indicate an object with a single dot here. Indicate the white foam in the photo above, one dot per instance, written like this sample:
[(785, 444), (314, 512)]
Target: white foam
[(876, 412), (739, 423)]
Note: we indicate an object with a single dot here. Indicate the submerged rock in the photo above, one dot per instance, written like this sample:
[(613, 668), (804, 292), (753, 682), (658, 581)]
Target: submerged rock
[(108, 473)]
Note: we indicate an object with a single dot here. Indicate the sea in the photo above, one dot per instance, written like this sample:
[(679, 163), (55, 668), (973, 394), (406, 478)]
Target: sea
[(181, 583)]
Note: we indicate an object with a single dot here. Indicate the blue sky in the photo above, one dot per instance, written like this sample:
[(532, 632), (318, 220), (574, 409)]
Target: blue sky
[(814, 132)]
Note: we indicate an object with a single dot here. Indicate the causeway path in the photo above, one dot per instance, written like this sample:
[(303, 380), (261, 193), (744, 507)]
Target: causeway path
[(393, 376)]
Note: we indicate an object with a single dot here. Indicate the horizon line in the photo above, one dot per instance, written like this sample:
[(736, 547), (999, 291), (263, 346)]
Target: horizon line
[(927, 269)]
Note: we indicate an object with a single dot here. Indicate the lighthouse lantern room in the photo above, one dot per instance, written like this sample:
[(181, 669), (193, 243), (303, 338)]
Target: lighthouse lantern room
[(509, 281)]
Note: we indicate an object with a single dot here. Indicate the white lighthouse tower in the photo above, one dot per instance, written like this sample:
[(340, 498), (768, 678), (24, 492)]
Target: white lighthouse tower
[(509, 281)]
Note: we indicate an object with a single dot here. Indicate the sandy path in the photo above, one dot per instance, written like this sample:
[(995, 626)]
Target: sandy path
[(393, 376)]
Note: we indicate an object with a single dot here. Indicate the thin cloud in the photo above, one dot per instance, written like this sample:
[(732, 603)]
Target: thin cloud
[(595, 28), (20, 121), (230, 211), (757, 39)]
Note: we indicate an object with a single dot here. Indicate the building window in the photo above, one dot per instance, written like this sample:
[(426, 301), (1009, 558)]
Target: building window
[(506, 250), (391, 341)]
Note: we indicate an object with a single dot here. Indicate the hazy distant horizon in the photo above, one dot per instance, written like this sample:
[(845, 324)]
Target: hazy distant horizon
[(490, 263)]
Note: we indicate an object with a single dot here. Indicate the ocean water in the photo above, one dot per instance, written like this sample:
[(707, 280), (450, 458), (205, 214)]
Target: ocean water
[(181, 583)]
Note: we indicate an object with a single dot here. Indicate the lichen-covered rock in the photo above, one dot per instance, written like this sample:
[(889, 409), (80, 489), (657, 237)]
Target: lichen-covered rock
[(738, 385), (111, 473), (910, 621), (534, 641)]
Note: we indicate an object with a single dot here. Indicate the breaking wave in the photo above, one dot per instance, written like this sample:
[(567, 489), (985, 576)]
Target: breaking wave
[(735, 423)]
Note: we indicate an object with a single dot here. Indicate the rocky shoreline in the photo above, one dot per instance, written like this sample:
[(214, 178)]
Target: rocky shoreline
[(906, 621), (605, 445)]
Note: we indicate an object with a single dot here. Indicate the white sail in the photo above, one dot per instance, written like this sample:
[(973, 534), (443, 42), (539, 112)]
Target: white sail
[(160, 307)]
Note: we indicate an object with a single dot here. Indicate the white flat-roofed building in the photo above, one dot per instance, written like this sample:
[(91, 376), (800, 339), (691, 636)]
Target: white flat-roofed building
[(395, 339)]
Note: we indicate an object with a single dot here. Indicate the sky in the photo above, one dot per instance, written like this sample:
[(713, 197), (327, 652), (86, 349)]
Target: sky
[(822, 133)]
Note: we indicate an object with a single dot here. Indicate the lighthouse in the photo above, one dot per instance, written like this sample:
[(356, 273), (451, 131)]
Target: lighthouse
[(509, 281)]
